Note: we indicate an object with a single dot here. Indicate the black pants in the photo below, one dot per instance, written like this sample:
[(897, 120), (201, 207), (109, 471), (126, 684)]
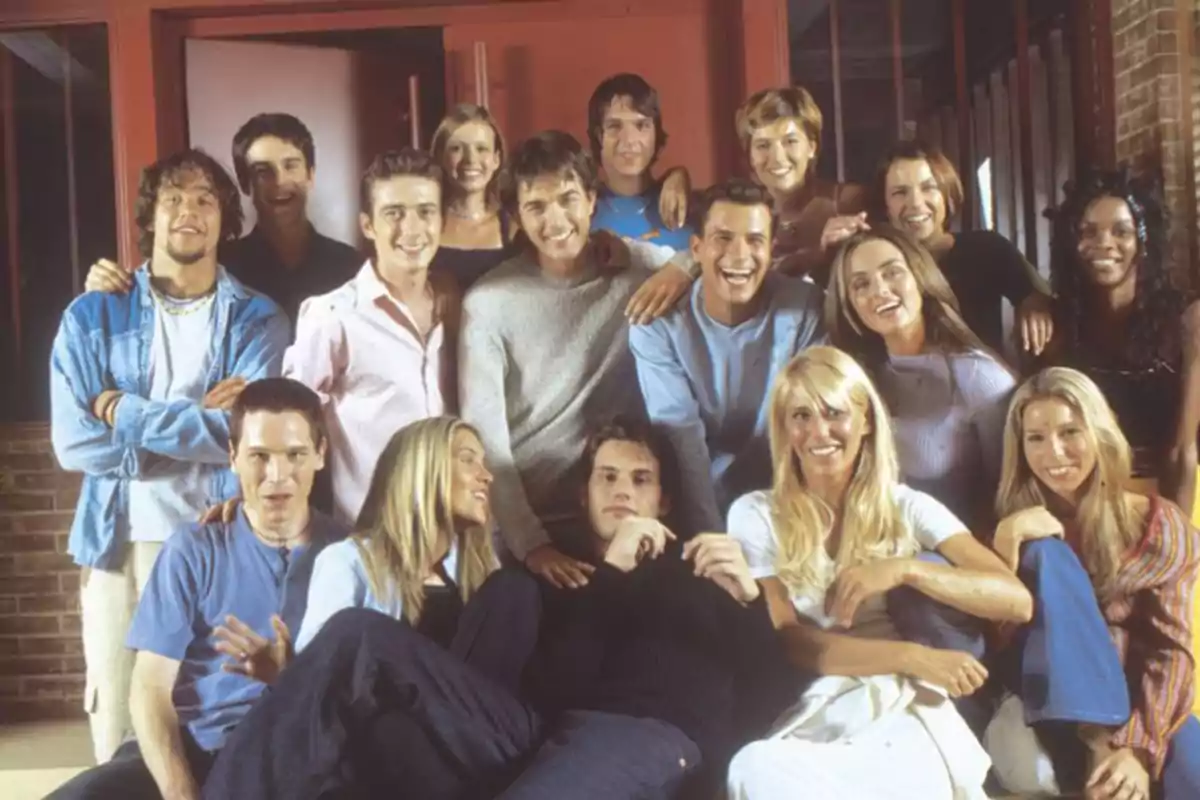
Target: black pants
[(126, 777), (374, 709)]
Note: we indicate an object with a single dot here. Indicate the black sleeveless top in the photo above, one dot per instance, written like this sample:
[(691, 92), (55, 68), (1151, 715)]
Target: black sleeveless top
[(439, 614), (468, 266)]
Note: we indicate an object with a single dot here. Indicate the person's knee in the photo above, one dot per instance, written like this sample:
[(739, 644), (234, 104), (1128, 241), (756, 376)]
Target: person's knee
[(351, 626), (513, 590)]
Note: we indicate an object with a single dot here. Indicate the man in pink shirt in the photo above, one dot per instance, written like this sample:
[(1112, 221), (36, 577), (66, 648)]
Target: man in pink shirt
[(379, 350)]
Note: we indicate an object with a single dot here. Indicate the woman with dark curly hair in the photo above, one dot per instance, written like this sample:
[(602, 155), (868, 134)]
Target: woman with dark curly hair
[(1121, 321)]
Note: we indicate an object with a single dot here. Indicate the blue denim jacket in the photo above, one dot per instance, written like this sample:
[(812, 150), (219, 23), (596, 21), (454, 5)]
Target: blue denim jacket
[(103, 342)]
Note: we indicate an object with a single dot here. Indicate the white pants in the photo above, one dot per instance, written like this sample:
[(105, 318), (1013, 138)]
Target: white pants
[(108, 599)]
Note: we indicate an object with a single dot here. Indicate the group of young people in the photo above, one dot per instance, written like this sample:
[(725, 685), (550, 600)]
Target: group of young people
[(619, 506)]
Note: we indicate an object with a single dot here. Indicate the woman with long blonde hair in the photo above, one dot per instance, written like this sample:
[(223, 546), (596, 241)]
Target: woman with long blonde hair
[(421, 547), (853, 562), (890, 307), (1135, 560)]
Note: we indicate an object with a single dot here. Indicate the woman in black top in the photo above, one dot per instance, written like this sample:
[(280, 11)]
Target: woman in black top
[(917, 190), (475, 232), (1121, 321)]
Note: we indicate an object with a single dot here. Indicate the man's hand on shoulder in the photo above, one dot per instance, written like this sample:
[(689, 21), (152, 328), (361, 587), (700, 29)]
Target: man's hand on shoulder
[(718, 557), (108, 277), (557, 568)]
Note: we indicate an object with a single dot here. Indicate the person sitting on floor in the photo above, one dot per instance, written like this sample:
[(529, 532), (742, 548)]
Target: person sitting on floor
[(218, 593)]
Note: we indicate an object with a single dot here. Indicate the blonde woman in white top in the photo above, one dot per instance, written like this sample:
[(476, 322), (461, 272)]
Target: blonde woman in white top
[(832, 539)]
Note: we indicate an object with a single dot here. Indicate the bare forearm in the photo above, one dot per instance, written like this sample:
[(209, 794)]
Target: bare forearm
[(988, 595), (825, 653), (157, 727), (1179, 479)]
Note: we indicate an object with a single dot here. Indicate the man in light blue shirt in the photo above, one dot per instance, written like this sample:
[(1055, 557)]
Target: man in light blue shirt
[(706, 368), (222, 603), (140, 389), (626, 133)]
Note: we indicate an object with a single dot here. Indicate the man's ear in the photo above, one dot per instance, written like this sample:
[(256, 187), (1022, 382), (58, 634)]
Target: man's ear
[(322, 449), (664, 505), (364, 224), (233, 458)]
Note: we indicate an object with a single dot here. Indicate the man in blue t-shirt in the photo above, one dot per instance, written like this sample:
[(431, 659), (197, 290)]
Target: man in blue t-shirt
[(626, 133), (707, 366), (215, 620)]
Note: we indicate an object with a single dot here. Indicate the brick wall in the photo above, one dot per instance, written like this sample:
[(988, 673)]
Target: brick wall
[(41, 657), (1153, 67)]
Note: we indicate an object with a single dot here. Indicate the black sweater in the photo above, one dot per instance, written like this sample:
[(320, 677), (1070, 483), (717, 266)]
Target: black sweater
[(660, 642)]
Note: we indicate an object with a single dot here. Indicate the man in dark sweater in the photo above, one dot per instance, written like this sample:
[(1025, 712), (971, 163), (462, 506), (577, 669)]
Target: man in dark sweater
[(641, 683)]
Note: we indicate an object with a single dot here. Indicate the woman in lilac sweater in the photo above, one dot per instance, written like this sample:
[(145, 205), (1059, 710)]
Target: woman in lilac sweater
[(890, 307)]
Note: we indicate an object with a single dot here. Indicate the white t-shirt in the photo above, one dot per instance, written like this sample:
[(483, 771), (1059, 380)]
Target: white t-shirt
[(749, 521), (172, 493), (339, 580)]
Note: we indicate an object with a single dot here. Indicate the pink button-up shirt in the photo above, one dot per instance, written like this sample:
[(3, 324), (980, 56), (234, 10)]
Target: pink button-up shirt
[(373, 373)]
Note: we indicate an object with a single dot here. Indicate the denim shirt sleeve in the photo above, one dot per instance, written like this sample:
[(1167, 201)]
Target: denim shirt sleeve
[(184, 429), (82, 442)]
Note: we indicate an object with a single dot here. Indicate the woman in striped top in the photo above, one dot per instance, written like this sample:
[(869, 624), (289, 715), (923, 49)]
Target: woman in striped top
[(1066, 462)]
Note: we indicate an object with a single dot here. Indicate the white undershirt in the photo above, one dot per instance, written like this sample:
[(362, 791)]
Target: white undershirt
[(171, 492)]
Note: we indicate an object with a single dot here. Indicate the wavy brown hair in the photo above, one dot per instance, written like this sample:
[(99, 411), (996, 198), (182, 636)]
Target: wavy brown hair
[(169, 171), (458, 116)]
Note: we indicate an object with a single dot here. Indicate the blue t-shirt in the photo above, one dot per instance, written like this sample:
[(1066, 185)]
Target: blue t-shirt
[(203, 574), (638, 218)]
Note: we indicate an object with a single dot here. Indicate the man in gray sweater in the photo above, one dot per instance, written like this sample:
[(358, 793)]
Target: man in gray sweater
[(707, 366), (544, 349)]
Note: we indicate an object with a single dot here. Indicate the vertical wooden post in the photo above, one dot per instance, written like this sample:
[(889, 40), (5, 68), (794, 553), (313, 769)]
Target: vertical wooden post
[(966, 166), (481, 75), (898, 65), (836, 55), (1025, 128), (414, 110), (72, 180), (8, 108)]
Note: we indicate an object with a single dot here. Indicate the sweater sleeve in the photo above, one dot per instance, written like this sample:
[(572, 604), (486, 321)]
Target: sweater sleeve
[(1012, 274), (482, 366), (1158, 651)]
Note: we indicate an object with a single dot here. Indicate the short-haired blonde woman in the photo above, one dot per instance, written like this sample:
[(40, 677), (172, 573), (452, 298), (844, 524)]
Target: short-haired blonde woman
[(837, 545), (421, 546), (1066, 466), (890, 307), (917, 190)]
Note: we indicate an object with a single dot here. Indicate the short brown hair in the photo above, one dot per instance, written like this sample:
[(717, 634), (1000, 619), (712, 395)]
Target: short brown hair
[(392, 164), (277, 395), (458, 116), (771, 105), (282, 126), (917, 150), (737, 190), (642, 97), (548, 153), (168, 171)]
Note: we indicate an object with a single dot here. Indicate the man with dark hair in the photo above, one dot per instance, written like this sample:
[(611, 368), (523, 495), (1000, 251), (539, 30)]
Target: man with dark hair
[(379, 349), (215, 622), (284, 257), (647, 679), (706, 367), (545, 348), (626, 133), (141, 384)]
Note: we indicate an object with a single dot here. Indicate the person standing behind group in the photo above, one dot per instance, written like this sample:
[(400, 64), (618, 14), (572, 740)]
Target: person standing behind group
[(476, 232), (890, 307), (705, 368), (141, 383), (380, 350), (284, 257)]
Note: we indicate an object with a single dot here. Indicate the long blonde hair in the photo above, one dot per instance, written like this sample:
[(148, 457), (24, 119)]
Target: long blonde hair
[(871, 525), (408, 513), (1107, 522)]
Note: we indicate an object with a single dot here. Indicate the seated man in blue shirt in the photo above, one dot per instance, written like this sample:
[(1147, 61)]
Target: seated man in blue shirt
[(218, 594), (626, 133), (706, 367)]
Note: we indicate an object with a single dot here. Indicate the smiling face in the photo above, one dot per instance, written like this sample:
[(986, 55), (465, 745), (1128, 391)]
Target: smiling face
[(275, 461), (1058, 447), (826, 438), (915, 201), (627, 139), (625, 482), (470, 480), (405, 224), (734, 252), (780, 155), (187, 218), (882, 289), (471, 156), (280, 177), (1108, 243), (556, 214)]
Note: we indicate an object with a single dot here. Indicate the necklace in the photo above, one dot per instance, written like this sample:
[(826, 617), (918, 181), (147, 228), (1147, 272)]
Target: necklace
[(181, 308)]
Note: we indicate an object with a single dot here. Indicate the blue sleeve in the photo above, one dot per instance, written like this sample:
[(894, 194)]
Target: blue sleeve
[(334, 586), (82, 442), (184, 429), (671, 403), (811, 330), (164, 622)]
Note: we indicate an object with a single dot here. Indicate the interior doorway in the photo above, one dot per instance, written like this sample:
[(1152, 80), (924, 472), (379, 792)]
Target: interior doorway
[(359, 92)]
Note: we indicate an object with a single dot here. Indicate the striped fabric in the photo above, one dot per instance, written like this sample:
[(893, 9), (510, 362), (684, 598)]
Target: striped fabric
[(1150, 618)]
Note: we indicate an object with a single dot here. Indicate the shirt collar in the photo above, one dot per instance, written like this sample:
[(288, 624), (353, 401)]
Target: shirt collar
[(228, 290)]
